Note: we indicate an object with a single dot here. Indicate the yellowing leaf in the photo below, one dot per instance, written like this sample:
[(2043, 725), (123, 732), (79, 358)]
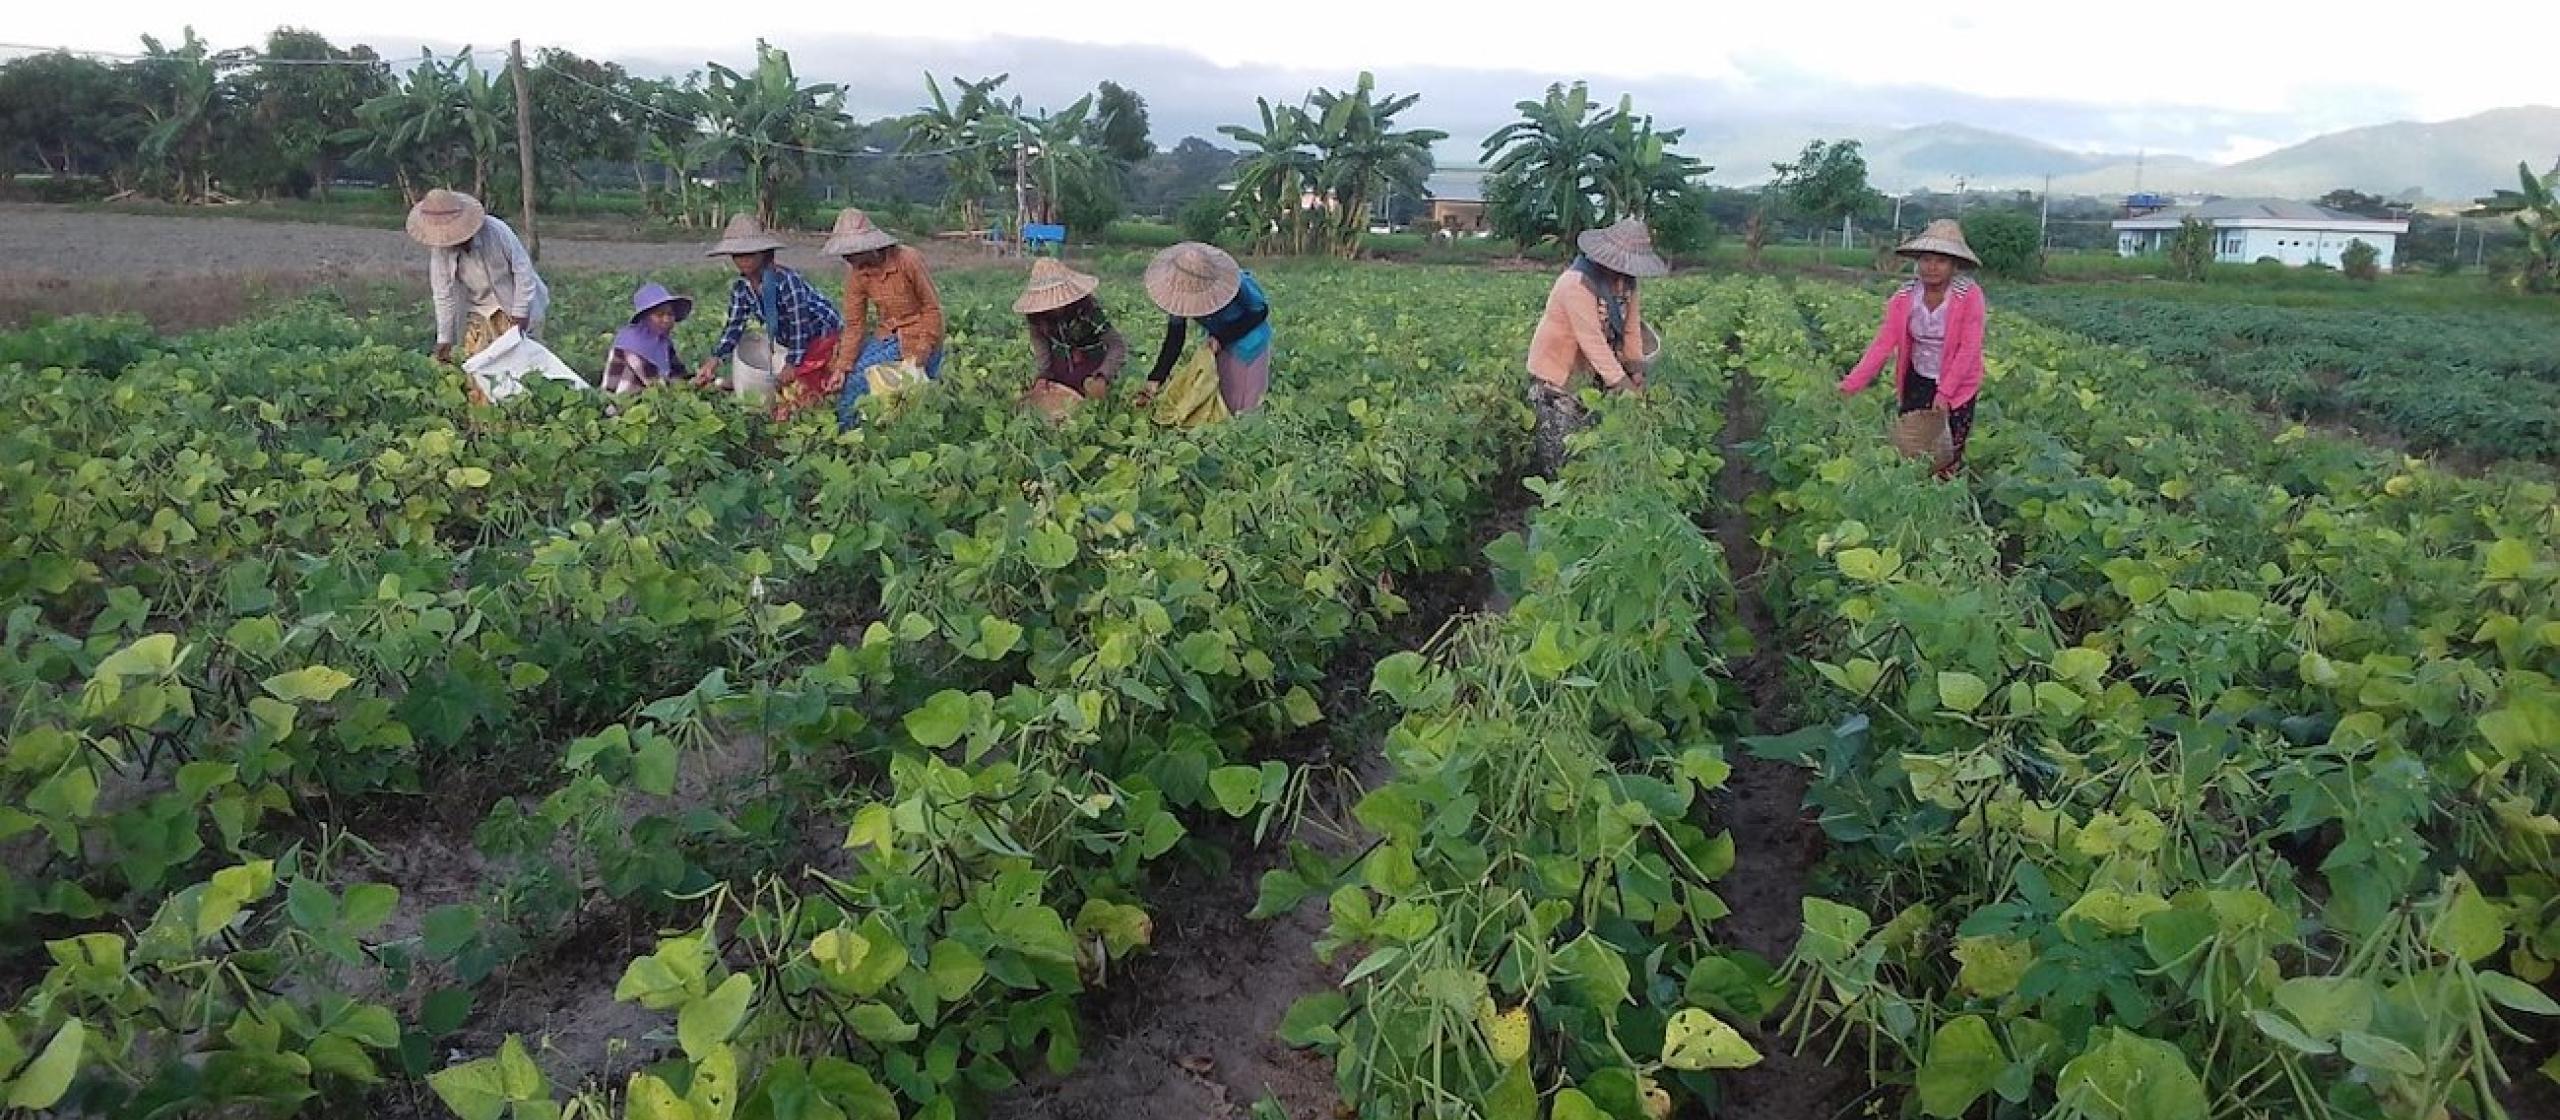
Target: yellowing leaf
[(315, 684), (1506, 1034), (467, 478), (1961, 691), (1697, 1040)]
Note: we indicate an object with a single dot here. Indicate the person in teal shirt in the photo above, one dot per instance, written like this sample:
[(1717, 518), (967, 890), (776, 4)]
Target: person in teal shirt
[(1195, 281)]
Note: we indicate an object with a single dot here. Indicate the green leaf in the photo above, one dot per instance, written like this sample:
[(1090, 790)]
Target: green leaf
[(1121, 927), (473, 1090), (521, 1078), (1599, 973), (653, 766), (2282, 1030), (1515, 1097), (1866, 565), (1832, 932), (996, 638), (1301, 708), (1964, 1060), (1962, 692), (1992, 966), (2378, 1052), (2508, 559), (448, 928), (1697, 1040), (878, 1022), (2328, 1006), (1409, 680), (371, 1025), (954, 968), (709, 1021), (152, 655), (231, 889), (1547, 657), (2081, 666), (1050, 548), (367, 906), (42, 1084), (2516, 994), (2124, 1076), (1238, 789), (2469, 928), (339, 1056), (1207, 652), (315, 684), (945, 716), (1310, 1021), (1571, 1104)]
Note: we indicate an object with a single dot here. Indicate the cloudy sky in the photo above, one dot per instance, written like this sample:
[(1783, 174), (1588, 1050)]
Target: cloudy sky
[(2216, 82)]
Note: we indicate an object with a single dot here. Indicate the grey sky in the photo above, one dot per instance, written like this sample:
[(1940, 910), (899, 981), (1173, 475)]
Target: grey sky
[(2228, 83)]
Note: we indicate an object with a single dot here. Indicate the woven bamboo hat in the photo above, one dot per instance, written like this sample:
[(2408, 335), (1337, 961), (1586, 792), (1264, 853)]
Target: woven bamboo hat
[(1192, 279), (1053, 285), (445, 218), (1625, 247), (744, 235), (1944, 237), (854, 233)]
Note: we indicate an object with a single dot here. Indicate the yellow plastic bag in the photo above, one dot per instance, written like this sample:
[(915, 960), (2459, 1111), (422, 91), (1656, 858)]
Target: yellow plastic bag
[(1190, 397), (892, 378)]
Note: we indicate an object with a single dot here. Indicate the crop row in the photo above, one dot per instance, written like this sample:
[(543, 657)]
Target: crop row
[(990, 665), (2184, 772), (2482, 384)]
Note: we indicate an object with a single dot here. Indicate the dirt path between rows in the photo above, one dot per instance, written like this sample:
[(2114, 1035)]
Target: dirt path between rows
[(1775, 844), (1190, 1030)]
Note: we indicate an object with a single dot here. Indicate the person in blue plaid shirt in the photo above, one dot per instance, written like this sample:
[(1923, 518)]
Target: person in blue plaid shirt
[(802, 325)]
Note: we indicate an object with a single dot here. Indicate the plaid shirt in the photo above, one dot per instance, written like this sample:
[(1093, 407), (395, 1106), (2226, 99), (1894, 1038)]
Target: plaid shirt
[(801, 315)]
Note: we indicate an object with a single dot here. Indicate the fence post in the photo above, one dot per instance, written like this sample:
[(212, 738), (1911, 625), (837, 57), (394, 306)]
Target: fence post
[(524, 145)]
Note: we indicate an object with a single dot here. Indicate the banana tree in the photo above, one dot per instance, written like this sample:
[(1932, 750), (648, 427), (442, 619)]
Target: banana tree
[(1361, 156), (485, 112), (180, 95), (1547, 166), (415, 129), (1640, 172), (2535, 208), (772, 126), (967, 127), (1057, 155), (1278, 176)]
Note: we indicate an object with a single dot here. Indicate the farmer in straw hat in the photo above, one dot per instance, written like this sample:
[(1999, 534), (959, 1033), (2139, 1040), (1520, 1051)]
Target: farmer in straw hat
[(1195, 281), (478, 273), (882, 274), (1933, 329), (1593, 324), (796, 320), (644, 350), (1077, 348)]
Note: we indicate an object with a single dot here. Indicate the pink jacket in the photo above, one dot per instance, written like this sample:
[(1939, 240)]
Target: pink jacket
[(1959, 366)]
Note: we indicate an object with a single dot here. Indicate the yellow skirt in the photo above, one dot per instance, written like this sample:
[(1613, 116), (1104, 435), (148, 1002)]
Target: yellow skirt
[(478, 331)]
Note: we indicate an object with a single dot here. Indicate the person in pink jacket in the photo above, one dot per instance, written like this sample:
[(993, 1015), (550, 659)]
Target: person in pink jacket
[(1932, 331)]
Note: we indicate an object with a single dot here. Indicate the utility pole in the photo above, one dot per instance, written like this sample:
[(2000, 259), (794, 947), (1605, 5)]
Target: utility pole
[(524, 145), (1897, 217), (1021, 171), (1960, 195), (2044, 216)]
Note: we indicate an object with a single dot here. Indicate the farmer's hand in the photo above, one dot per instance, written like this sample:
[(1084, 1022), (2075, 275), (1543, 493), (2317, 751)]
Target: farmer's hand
[(1145, 396), (444, 352), (706, 373), (1096, 388)]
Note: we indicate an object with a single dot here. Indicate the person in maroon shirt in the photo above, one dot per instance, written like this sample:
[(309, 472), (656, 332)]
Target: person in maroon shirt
[(1076, 348)]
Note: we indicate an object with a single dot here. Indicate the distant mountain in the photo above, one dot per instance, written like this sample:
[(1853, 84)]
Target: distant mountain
[(2453, 160)]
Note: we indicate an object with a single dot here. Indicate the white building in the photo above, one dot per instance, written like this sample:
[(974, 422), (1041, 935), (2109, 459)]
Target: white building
[(2251, 229)]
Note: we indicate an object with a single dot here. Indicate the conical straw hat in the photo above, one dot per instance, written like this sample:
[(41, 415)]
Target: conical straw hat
[(1944, 237), (1053, 285), (854, 233), (1192, 279), (445, 218), (1625, 247), (744, 235)]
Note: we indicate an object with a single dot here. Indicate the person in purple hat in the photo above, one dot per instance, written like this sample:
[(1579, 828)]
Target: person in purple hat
[(644, 350)]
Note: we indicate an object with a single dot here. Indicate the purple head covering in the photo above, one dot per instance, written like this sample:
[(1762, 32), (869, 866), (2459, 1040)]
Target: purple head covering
[(644, 341)]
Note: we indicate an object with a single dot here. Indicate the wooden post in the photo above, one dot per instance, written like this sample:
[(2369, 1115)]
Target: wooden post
[(524, 145)]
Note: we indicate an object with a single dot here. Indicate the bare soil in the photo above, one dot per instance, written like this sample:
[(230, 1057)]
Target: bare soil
[(184, 271), (1776, 845)]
